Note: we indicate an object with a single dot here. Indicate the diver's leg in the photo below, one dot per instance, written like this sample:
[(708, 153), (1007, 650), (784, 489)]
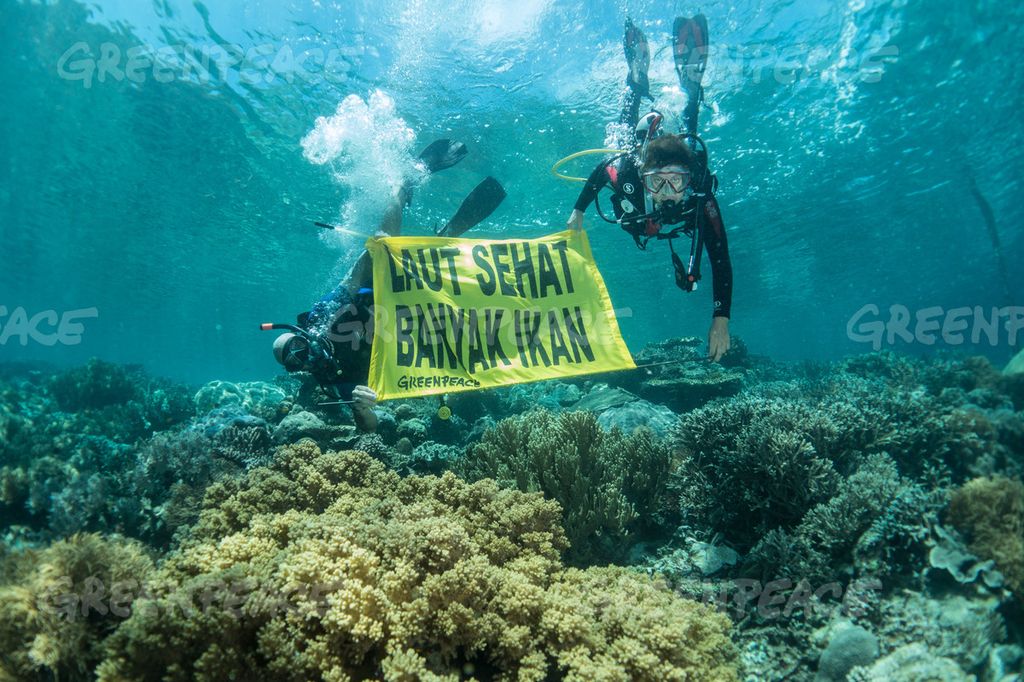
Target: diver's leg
[(391, 222), (638, 58), (630, 113), (437, 156), (360, 275)]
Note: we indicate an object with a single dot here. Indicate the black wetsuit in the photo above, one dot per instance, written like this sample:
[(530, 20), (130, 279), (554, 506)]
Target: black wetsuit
[(628, 198)]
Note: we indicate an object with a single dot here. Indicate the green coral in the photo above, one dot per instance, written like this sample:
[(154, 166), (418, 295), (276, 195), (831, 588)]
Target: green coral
[(760, 461), (939, 374), (991, 511), (608, 483), (93, 385), (115, 392), (750, 465), (874, 524), (58, 604), (345, 571)]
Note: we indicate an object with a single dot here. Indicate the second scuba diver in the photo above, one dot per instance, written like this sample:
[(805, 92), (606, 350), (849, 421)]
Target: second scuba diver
[(663, 189), (332, 342)]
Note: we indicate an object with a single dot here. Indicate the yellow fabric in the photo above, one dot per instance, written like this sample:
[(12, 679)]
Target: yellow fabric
[(455, 315)]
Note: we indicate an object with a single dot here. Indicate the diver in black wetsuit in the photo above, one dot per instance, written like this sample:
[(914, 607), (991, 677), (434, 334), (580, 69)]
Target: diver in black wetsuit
[(663, 189), (334, 339)]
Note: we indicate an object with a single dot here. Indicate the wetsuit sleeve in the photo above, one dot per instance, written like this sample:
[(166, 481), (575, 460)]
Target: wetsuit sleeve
[(718, 253), (598, 179)]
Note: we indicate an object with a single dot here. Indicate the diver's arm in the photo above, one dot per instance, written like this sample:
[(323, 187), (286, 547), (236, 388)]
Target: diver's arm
[(721, 276), (718, 253), (598, 179)]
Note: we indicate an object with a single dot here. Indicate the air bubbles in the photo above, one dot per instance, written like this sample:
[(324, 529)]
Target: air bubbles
[(368, 149)]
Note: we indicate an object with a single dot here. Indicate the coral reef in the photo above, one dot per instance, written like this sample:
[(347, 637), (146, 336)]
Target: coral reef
[(329, 566), (69, 445), (608, 484), (875, 524), (911, 663), (956, 627), (79, 482), (58, 604), (265, 400), (879, 498), (991, 512), (751, 465), (675, 373), (849, 646), (141, 403), (429, 458), (781, 448), (949, 558)]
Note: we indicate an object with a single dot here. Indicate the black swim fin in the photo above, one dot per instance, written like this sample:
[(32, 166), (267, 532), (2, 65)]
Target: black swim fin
[(690, 50), (443, 153), (638, 57), (479, 204)]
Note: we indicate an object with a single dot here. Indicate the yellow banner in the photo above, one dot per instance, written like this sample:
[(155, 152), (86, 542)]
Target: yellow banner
[(462, 314)]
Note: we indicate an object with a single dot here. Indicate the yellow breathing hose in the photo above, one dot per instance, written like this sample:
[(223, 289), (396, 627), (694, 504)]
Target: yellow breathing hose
[(585, 152)]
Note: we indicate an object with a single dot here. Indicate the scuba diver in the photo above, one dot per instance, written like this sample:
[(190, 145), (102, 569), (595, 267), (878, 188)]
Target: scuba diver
[(662, 189), (332, 341)]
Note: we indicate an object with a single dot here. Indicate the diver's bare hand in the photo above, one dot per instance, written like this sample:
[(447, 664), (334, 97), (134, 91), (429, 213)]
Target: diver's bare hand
[(575, 221), (364, 398), (718, 338)]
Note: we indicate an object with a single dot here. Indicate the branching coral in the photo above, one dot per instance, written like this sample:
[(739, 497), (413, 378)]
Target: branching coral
[(749, 466), (99, 386), (330, 567), (760, 461), (58, 604), (96, 384), (872, 525), (612, 624), (607, 483)]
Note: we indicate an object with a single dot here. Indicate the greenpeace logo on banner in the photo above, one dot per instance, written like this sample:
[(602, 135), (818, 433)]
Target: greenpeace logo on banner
[(454, 315), (447, 383)]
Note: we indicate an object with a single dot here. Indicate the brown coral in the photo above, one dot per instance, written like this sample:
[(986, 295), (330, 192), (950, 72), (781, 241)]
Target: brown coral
[(330, 567), (991, 511), (57, 604), (608, 483)]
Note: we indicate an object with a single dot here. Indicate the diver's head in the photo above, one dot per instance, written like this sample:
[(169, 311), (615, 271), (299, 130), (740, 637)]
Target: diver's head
[(667, 169), (292, 351)]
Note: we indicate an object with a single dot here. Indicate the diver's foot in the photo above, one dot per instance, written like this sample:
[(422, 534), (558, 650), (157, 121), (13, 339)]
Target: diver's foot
[(638, 57), (441, 154)]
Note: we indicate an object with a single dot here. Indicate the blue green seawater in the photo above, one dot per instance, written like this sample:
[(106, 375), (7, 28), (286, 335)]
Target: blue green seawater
[(178, 200)]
